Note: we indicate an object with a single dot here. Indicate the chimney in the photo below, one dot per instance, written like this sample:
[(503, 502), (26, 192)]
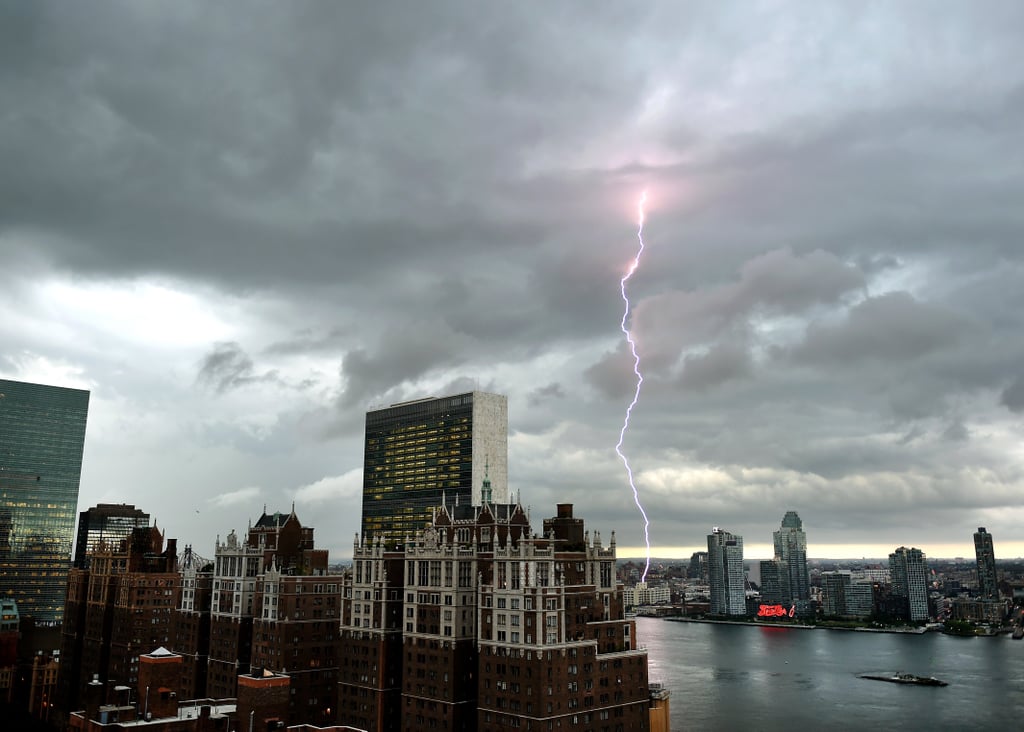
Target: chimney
[(159, 676), (265, 697), (93, 698)]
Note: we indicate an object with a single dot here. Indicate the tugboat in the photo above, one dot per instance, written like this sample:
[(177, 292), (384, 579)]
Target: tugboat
[(902, 678)]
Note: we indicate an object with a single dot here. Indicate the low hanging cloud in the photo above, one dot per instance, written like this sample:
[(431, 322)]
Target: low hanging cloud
[(891, 328), (242, 497), (721, 363), (347, 487)]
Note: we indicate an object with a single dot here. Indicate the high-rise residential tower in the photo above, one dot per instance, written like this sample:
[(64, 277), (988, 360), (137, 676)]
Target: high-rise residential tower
[(985, 554), (42, 436), (910, 581), (791, 551), (420, 454), (106, 523), (725, 573)]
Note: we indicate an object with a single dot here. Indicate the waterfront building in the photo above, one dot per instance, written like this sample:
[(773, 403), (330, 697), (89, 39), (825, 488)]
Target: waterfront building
[(834, 585), (698, 569), (978, 609), (859, 599), (422, 453), (791, 551), (909, 573), (772, 571), (642, 594), (108, 523), (42, 437), (725, 573), (988, 587)]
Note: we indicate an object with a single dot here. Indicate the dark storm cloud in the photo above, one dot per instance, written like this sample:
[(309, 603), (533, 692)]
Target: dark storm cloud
[(545, 393), (371, 204), (1013, 396), (891, 328), (228, 367), (721, 363)]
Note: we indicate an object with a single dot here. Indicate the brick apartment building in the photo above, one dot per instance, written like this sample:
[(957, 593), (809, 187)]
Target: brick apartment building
[(118, 608), (277, 540), (474, 623), (190, 623), (492, 627), (296, 631)]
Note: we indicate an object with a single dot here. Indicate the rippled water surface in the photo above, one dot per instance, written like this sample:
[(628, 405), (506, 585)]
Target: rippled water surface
[(728, 677)]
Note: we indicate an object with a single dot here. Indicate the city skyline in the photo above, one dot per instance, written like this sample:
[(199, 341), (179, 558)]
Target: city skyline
[(242, 241)]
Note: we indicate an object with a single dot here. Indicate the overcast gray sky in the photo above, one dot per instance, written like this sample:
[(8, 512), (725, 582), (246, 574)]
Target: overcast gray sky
[(240, 225)]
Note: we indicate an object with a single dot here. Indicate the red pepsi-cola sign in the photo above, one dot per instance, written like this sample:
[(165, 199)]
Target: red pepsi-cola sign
[(776, 611)]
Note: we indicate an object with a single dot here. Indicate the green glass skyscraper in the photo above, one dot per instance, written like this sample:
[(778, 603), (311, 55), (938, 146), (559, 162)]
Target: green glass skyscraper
[(42, 435), (418, 454)]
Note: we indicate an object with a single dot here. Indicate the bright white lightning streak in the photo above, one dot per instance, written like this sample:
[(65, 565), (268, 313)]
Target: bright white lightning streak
[(639, 379)]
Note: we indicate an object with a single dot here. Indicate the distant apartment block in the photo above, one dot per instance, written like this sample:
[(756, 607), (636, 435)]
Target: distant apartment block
[(909, 573), (642, 594), (988, 585), (790, 543), (725, 572)]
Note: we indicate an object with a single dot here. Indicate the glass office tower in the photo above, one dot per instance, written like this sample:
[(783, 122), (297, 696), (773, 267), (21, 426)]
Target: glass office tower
[(418, 453), (108, 524), (42, 435)]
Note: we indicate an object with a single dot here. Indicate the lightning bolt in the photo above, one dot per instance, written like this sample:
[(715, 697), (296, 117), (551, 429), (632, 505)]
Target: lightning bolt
[(639, 377)]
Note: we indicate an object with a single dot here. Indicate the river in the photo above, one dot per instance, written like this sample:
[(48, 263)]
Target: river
[(737, 677)]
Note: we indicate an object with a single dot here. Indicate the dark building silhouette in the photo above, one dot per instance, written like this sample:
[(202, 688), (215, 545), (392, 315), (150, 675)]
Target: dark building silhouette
[(106, 523), (988, 586), (117, 609), (42, 437), (698, 568)]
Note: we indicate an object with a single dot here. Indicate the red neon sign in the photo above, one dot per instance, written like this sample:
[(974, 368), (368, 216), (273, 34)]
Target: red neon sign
[(775, 611)]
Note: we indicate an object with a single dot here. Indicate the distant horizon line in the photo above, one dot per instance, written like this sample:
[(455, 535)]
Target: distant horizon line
[(850, 552)]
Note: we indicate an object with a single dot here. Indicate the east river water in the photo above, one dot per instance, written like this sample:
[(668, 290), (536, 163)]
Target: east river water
[(738, 677)]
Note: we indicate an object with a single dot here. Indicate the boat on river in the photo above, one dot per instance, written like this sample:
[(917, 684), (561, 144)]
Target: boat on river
[(902, 678)]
